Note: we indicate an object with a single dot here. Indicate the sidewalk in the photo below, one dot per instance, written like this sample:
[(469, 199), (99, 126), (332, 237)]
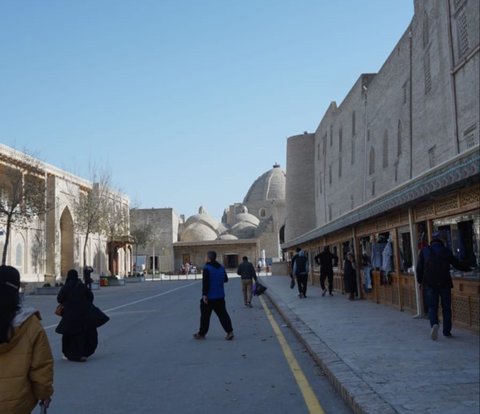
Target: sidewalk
[(379, 359)]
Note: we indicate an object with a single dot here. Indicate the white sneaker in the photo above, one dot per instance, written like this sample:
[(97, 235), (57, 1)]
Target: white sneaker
[(434, 332)]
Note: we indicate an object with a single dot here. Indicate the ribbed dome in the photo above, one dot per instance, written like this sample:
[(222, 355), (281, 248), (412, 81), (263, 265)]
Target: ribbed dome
[(269, 186), (205, 218)]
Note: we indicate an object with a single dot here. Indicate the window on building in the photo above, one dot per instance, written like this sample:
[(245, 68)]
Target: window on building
[(385, 149), (373, 188), (462, 34), (340, 139), (330, 174), (425, 30), (325, 144), (371, 164), (352, 204), (262, 212), (353, 151), (399, 138), (318, 152), (469, 136), (331, 135), (427, 72), (340, 166), (353, 124), (19, 257), (368, 134), (431, 157)]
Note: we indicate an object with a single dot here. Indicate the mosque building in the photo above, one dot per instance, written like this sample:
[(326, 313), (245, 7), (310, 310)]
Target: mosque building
[(252, 228)]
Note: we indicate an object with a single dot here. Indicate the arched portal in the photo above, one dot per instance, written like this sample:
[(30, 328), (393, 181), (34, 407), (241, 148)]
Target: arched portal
[(66, 242)]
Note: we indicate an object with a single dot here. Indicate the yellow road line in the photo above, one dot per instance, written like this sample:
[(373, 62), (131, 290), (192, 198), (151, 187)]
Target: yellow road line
[(309, 396)]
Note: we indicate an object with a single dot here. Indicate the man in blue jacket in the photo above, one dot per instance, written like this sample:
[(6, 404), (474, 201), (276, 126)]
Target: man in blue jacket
[(213, 297), (433, 274)]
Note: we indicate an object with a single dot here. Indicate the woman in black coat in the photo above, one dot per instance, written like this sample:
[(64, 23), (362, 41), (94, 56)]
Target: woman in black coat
[(350, 276), (78, 326)]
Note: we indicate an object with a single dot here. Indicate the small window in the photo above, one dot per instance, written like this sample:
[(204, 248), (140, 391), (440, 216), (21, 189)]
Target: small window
[(330, 174), (385, 149), (331, 135), (263, 212), (399, 138), (353, 124), (427, 72), (340, 139), (373, 188), (340, 166), (431, 157), (371, 164)]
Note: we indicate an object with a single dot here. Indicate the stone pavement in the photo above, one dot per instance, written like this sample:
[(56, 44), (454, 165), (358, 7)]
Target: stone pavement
[(379, 359)]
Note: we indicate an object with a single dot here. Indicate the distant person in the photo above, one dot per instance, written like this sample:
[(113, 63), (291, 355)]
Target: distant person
[(248, 275), (87, 278), (292, 263), (26, 362), (325, 261), (300, 270), (433, 274), (213, 297), (350, 276), (80, 319)]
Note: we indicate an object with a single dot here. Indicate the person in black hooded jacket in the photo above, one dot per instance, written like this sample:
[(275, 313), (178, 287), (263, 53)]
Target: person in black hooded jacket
[(79, 333)]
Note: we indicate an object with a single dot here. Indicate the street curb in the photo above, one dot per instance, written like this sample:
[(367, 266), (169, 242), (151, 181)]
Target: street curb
[(358, 394)]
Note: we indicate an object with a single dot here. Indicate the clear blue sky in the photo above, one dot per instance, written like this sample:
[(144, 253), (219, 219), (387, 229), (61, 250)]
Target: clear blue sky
[(185, 102)]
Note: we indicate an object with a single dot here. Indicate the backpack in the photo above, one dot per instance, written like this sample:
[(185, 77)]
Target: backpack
[(301, 265), (437, 270)]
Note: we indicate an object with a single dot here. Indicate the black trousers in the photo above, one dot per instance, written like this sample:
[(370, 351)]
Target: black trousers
[(217, 306), (324, 276), (302, 281)]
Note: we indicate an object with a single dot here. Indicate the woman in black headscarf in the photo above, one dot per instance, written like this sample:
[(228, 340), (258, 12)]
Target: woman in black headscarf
[(79, 323)]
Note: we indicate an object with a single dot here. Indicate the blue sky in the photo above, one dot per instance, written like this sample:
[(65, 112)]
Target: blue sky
[(184, 102)]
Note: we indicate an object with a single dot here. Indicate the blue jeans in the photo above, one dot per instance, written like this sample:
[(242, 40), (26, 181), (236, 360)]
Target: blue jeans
[(433, 296)]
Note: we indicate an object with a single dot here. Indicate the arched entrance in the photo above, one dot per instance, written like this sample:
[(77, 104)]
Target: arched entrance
[(66, 242)]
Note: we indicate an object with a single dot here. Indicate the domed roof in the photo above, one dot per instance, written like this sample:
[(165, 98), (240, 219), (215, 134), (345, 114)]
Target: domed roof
[(246, 217), (205, 218), (201, 227), (198, 232), (269, 186), (227, 236), (243, 230)]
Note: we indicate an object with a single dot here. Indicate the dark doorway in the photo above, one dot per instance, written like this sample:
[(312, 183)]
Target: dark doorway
[(230, 261)]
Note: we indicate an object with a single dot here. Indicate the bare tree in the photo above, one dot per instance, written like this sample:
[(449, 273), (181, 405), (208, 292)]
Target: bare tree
[(141, 231), (22, 193), (115, 225), (90, 207)]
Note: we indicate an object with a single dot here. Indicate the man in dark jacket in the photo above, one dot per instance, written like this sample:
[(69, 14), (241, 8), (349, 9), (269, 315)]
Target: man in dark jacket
[(325, 261), (300, 270), (433, 274), (213, 297), (247, 274)]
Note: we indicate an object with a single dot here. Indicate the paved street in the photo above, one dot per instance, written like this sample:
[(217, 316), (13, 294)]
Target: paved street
[(382, 360), (148, 362)]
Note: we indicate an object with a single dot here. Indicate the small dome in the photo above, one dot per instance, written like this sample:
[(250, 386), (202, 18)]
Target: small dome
[(198, 232), (207, 219), (269, 186), (227, 236), (246, 217), (243, 230)]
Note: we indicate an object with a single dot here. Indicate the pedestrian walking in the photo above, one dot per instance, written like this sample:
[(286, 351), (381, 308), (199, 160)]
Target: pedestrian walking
[(213, 297), (246, 270), (80, 319), (325, 261), (292, 276), (87, 276), (433, 275), (26, 374), (300, 270), (350, 276)]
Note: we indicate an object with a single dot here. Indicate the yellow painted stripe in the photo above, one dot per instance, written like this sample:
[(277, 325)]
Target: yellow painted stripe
[(309, 396)]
